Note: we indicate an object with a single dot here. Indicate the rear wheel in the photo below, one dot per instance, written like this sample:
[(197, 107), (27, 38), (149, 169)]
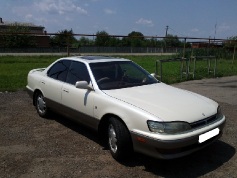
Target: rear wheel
[(119, 140), (40, 105)]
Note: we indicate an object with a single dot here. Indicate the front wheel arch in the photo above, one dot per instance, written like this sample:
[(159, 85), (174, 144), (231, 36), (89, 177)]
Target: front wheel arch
[(103, 125), (124, 146)]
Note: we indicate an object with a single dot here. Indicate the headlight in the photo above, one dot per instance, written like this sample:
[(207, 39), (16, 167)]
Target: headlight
[(168, 127), (219, 113)]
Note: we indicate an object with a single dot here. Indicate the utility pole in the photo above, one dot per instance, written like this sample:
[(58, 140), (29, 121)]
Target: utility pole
[(166, 32), (215, 30), (215, 33)]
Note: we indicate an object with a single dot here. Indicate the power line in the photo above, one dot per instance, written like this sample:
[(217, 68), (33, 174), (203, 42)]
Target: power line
[(177, 32)]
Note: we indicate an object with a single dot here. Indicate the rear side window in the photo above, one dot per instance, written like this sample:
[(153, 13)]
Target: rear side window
[(59, 70), (77, 72)]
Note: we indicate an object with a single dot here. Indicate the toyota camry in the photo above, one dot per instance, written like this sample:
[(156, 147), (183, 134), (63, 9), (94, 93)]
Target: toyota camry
[(129, 107)]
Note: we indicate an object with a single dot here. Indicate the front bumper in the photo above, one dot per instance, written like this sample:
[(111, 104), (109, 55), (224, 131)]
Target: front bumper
[(170, 149)]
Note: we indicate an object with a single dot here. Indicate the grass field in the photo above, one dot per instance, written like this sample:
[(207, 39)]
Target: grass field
[(14, 69)]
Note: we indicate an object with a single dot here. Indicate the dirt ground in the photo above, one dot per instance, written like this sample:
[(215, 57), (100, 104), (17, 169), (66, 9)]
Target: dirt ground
[(34, 147)]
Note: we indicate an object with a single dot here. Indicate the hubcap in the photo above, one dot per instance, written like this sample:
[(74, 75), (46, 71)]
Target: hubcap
[(112, 139), (41, 104)]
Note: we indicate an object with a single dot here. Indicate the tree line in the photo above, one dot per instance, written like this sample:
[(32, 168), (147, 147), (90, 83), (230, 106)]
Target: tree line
[(20, 37), (17, 36), (102, 38)]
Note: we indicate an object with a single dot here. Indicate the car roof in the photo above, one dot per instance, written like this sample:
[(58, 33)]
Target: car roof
[(95, 59)]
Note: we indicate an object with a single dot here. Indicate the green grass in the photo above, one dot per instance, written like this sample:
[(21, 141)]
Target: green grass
[(14, 69), (172, 73)]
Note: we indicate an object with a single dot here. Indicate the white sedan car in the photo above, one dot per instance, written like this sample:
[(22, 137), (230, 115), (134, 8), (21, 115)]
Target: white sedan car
[(129, 108)]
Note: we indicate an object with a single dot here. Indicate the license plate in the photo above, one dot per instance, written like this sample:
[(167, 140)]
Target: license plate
[(208, 135)]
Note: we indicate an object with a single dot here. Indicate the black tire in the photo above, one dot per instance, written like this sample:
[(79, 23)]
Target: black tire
[(119, 140), (40, 105)]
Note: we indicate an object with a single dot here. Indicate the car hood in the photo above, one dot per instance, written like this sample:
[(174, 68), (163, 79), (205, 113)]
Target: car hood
[(166, 102)]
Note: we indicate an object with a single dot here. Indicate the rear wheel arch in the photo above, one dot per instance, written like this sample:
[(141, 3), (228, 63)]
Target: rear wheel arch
[(36, 92), (40, 104)]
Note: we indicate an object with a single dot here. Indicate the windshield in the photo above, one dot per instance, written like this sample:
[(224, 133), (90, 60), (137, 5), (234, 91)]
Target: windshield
[(120, 74)]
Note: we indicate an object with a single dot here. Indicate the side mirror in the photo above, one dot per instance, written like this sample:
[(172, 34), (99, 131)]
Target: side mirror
[(83, 85)]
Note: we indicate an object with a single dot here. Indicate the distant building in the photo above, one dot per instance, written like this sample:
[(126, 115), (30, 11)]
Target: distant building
[(206, 45), (199, 45), (38, 32)]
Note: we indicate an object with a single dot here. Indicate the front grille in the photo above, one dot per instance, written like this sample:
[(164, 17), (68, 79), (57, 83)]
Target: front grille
[(204, 122)]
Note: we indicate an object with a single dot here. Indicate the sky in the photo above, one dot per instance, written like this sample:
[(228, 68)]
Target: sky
[(184, 18)]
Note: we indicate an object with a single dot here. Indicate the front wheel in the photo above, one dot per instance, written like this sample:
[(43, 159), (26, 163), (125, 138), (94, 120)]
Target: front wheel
[(119, 140), (40, 105)]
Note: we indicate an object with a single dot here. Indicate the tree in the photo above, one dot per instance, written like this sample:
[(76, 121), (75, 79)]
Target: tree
[(172, 41), (83, 41), (153, 42), (17, 36), (63, 39), (231, 43), (135, 39), (102, 38), (125, 42), (114, 41)]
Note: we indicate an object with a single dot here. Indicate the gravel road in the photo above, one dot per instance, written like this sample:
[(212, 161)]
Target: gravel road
[(56, 147)]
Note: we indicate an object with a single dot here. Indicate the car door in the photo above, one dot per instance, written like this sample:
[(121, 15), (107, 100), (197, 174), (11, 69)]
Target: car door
[(79, 103), (53, 82)]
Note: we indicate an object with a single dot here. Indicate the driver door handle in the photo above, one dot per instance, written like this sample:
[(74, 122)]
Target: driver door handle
[(66, 90)]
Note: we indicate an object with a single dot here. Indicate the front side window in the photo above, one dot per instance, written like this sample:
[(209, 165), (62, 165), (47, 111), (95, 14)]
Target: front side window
[(59, 70), (77, 72)]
